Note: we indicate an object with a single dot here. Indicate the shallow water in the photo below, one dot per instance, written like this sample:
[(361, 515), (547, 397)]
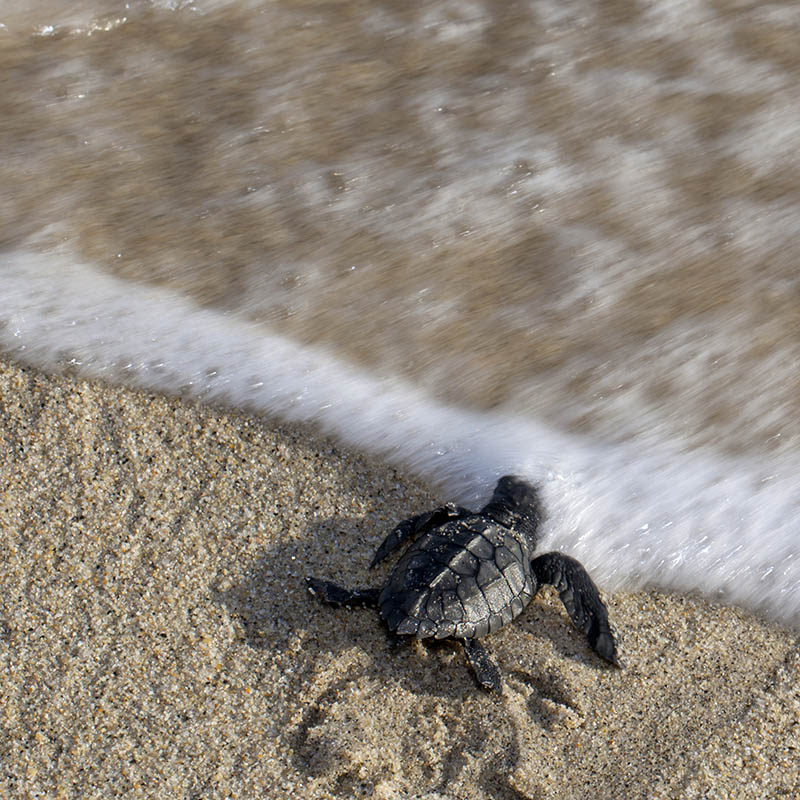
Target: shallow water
[(553, 237)]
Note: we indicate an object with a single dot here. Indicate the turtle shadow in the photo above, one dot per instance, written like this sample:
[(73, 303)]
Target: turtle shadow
[(344, 651), (403, 661), (264, 602)]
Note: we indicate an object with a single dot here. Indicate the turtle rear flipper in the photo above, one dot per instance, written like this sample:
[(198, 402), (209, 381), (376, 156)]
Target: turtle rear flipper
[(581, 599), (336, 596), (486, 673)]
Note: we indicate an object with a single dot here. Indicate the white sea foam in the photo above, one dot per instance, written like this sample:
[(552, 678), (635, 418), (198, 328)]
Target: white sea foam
[(675, 520)]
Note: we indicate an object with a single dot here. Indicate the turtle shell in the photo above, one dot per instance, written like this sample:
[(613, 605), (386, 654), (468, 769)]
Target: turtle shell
[(465, 579)]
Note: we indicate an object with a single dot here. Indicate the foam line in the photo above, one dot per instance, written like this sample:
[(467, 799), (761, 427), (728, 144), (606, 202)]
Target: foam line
[(676, 520)]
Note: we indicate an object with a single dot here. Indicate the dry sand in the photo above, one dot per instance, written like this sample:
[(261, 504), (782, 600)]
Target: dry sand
[(156, 639)]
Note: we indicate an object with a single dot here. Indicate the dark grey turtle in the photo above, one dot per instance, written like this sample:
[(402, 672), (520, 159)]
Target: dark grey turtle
[(467, 574)]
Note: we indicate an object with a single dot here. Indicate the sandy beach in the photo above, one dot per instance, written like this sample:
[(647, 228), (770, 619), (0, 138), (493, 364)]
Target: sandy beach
[(156, 639), (558, 238)]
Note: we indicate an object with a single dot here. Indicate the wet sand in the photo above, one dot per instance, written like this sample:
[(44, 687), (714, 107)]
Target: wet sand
[(156, 639)]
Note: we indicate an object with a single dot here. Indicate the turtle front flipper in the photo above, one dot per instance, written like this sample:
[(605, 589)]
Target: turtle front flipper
[(333, 595), (415, 526), (581, 599), (486, 673)]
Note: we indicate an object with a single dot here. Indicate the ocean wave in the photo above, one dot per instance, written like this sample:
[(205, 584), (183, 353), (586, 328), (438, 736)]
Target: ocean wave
[(658, 516)]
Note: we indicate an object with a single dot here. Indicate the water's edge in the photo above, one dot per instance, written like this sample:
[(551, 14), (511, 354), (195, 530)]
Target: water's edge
[(679, 521)]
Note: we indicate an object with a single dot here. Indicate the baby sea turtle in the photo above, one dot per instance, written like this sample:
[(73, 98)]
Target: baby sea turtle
[(468, 574)]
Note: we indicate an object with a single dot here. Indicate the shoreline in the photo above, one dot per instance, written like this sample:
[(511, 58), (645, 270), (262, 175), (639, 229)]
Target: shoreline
[(156, 639)]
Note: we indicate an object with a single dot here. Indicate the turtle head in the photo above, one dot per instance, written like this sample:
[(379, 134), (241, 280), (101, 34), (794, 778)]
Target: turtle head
[(516, 504)]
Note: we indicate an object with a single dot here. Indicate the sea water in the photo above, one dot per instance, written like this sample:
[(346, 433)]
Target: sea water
[(552, 238)]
